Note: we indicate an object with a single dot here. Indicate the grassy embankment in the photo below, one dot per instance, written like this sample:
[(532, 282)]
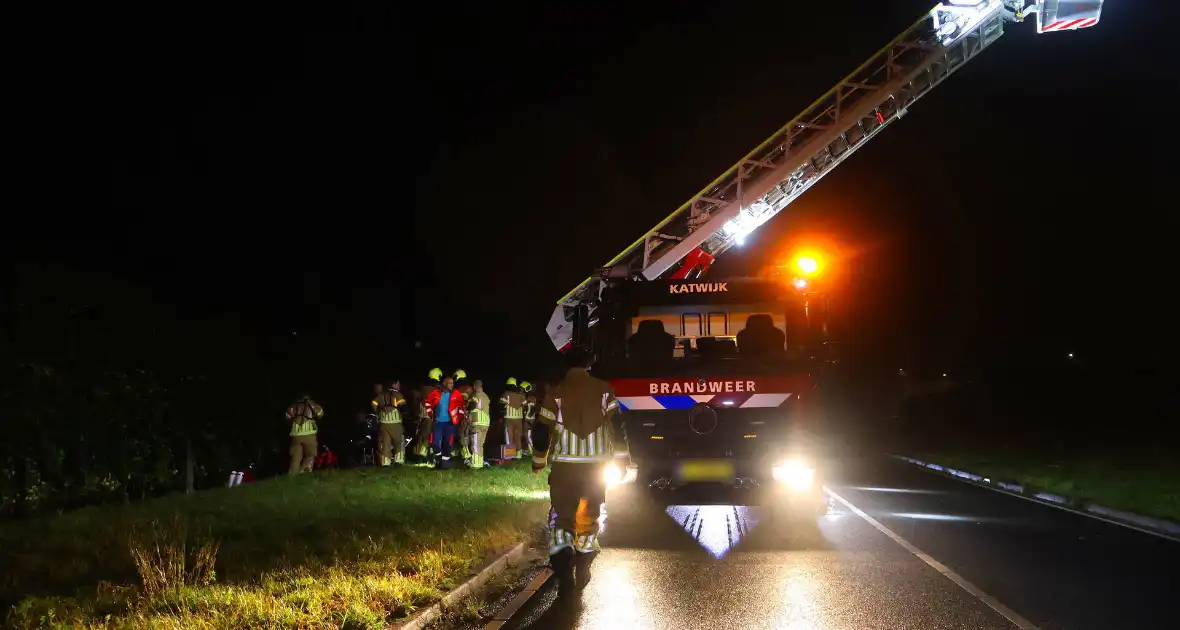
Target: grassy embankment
[(349, 549), (1150, 490)]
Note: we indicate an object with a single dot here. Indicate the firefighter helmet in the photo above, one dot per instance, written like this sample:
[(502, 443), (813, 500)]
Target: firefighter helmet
[(526, 386), (511, 380), (460, 374), (435, 374)]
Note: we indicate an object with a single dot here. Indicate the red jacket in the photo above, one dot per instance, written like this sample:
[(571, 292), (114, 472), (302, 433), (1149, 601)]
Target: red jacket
[(456, 406)]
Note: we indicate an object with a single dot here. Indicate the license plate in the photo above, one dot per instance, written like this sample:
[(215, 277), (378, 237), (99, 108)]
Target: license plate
[(706, 470)]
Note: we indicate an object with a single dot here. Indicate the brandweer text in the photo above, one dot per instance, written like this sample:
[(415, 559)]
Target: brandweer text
[(727, 387)]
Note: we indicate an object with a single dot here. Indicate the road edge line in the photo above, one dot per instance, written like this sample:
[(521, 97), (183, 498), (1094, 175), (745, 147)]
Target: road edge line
[(505, 614), (974, 591), (1144, 524), (468, 587)]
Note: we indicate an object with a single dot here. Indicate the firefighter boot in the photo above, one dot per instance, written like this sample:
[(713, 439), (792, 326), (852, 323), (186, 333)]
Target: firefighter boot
[(582, 562), (562, 564)]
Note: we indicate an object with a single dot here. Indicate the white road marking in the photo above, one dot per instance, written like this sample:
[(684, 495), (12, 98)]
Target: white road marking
[(993, 603), (1064, 508)]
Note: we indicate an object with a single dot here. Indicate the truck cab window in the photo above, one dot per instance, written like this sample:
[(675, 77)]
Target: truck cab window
[(651, 343), (760, 337), (718, 325)]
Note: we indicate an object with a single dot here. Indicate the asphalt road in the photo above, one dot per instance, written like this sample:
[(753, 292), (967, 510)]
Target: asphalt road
[(685, 563)]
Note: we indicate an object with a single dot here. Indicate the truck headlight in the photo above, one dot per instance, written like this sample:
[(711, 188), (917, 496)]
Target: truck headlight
[(795, 474), (612, 474)]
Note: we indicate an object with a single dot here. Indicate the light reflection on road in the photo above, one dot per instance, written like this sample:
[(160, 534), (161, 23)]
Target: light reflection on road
[(801, 608), (704, 567), (616, 599), (717, 528)]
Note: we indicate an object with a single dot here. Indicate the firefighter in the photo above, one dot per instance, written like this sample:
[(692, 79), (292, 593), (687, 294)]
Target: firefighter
[(478, 410), (303, 414), (579, 418), (530, 415), (387, 405), (463, 434), (445, 406), (425, 422), (513, 403)]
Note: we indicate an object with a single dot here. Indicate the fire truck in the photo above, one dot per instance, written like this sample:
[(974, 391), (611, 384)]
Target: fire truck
[(714, 382), (714, 374)]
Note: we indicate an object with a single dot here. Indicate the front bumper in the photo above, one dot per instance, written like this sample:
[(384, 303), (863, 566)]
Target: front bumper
[(756, 477)]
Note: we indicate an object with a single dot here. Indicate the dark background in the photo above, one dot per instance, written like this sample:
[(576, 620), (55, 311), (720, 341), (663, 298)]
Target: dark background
[(323, 198)]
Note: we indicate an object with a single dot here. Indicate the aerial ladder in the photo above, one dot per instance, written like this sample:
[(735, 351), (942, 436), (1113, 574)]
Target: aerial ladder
[(811, 145)]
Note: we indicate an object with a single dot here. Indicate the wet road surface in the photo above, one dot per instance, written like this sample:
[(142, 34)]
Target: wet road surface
[(691, 562)]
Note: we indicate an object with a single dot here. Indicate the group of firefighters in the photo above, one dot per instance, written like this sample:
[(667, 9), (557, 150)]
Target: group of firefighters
[(454, 416), (575, 431)]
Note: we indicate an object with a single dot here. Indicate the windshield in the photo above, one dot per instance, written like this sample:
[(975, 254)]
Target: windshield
[(703, 356), (694, 367), (750, 328)]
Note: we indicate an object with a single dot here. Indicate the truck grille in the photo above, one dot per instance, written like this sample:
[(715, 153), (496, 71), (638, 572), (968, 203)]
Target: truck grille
[(703, 431)]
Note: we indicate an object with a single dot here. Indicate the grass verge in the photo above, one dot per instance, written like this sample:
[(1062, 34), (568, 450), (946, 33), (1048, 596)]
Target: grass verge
[(347, 549), (1145, 490)]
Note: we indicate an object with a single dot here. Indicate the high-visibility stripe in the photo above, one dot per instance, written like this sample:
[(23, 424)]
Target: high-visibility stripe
[(586, 543), (570, 447), (307, 427), (743, 400), (576, 459), (1064, 25), (393, 416), (560, 539), (594, 447), (765, 400)]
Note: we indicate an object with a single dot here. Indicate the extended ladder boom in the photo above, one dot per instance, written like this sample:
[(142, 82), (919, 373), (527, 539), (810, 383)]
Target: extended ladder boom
[(808, 147)]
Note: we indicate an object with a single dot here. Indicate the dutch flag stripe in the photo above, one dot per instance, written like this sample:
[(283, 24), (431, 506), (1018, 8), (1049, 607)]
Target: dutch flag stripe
[(744, 401)]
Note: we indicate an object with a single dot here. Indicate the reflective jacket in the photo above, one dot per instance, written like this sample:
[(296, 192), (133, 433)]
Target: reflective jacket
[(455, 409), (303, 415), (513, 405), (387, 407), (478, 408), (579, 422)]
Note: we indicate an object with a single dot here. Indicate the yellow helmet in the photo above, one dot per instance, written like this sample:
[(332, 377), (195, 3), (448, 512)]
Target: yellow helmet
[(511, 380), (435, 374), (526, 386), (460, 374)]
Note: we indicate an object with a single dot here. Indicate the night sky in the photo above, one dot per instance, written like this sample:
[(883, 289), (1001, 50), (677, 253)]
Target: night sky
[(345, 184)]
